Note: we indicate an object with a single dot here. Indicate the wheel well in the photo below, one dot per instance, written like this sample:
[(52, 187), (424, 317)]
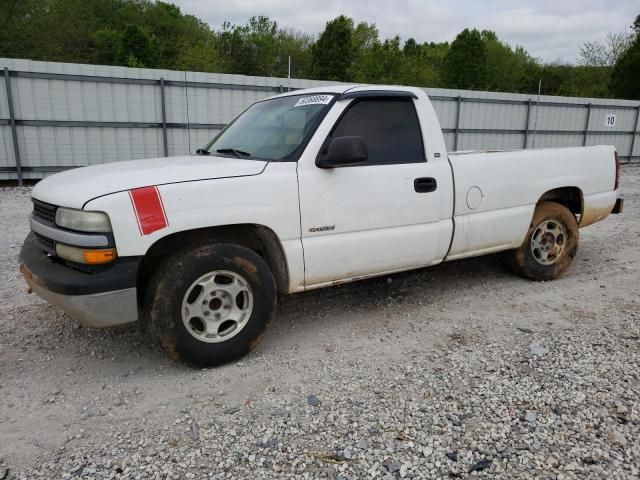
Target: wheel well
[(570, 197), (258, 238)]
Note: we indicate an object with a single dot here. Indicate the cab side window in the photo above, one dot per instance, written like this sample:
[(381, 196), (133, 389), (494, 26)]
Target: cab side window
[(388, 126)]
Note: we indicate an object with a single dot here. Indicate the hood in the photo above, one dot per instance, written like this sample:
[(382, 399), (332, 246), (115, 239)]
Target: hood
[(73, 188)]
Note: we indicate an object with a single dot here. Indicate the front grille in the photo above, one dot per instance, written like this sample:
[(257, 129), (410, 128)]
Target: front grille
[(44, 212), (47, 244)]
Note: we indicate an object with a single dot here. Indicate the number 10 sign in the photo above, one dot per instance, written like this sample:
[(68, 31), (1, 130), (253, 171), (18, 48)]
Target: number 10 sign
[(610, 121)]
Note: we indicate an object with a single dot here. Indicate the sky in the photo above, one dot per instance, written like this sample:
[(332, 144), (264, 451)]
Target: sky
[(547, 29)]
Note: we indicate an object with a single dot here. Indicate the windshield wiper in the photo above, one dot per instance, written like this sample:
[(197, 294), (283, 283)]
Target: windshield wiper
[(202, 151), (235, 151)]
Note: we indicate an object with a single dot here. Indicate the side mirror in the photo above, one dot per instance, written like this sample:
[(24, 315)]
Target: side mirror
[(343, 152)]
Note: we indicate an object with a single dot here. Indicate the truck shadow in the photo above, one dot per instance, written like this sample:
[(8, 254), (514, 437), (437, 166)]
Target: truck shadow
[(131, 345), (415, 287)]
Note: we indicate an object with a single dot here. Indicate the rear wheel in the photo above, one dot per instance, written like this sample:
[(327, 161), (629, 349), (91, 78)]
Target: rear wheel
[(550, 244), (210, 305)]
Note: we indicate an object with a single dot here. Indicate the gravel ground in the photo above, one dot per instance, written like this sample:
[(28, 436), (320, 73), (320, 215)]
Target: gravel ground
[(457, 371)]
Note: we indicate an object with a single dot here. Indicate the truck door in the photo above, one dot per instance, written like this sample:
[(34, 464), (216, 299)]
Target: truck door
[(382, 215)]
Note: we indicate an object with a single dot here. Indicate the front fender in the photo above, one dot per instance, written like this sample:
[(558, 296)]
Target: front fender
[(269, 199)]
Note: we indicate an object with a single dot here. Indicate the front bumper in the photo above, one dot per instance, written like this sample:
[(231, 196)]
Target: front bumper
[(97, 299)]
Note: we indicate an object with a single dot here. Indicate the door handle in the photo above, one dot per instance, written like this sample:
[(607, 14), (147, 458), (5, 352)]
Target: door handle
[(425, 184)]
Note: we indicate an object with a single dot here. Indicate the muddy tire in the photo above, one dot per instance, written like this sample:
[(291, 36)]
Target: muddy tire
[(550, 244), (211, 304)]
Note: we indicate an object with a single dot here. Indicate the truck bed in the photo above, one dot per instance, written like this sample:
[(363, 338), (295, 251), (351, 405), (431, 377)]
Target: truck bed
[(496, 192)]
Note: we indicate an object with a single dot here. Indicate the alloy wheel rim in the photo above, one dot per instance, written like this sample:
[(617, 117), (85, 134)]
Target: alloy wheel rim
[(548, 242), (217, 306)]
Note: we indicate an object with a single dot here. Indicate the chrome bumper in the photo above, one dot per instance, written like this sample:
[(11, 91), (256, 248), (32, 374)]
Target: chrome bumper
[(98, 310)]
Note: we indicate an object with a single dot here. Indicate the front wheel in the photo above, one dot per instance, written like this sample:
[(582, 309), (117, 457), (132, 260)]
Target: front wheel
[(550, 244), (211, 304)]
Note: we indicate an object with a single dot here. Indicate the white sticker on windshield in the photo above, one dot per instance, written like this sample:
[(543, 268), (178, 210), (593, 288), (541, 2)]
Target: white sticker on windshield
[(314, 100)]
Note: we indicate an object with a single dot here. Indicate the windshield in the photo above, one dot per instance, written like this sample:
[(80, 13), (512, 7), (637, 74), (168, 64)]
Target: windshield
[(276, 129)]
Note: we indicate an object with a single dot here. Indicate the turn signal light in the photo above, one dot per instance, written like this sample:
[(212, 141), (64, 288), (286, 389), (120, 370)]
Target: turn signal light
[(97, 257), (86, 256)]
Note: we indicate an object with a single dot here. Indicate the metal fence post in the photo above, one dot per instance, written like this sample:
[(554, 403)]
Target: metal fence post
[(164, 119), (12, 121), (634, 134), (586, 127), (455, 139), (526, 127)]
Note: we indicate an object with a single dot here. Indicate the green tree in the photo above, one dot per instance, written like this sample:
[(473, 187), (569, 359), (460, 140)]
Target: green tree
[(364, 36), (106, 46), (423, 63), (166, 30), (262, 48), (508, 70), (200, 57), (379, 63), (95, 31), (465, 63), (625, 78), (21, 23), (332, 55), (562, 78), (156, 33), (136, 48), (296, 45)]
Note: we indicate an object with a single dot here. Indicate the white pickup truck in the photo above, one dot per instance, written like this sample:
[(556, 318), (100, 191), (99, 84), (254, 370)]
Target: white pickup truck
[(303, 190)]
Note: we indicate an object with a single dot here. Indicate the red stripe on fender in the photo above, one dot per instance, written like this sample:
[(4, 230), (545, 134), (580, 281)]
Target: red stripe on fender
[(150, 214)]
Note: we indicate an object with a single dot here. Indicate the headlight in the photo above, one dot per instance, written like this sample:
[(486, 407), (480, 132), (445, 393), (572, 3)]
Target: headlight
[(82, 220)]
